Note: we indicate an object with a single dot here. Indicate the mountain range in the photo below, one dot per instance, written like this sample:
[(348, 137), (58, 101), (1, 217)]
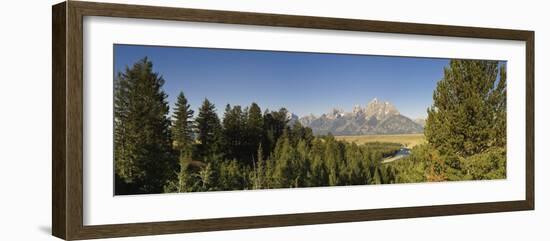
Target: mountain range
[(378, 117)]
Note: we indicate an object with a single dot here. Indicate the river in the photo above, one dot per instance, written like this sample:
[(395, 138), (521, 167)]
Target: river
[(403, 152)]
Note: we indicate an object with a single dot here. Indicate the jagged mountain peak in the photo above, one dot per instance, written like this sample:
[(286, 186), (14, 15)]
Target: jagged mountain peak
[(357, 109), (378, 117), (381, 110), (335, 113)]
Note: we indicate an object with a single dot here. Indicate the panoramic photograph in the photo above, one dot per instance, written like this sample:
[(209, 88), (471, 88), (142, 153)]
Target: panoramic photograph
[(190, 119)]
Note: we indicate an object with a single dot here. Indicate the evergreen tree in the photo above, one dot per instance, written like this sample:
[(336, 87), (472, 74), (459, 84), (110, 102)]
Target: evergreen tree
[(209, 131), (258, 178), (184, 181), (254, 132), (182, 129), (275, 123), (301, 164), (469, 111), (143, 157), (182, 132), (283, 156), (355, 173), (299, 132), (231, 176), (333, 160), (233, 128), (377, 177), (205, 178), (318, 172)]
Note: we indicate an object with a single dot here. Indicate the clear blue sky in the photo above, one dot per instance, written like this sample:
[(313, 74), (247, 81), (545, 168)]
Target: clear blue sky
[(304, 83)]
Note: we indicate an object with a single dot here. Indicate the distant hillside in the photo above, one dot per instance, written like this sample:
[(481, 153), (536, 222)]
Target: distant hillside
[(376, 118)]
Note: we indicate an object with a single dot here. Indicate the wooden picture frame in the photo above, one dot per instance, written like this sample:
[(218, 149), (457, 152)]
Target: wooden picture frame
[(67, 124)]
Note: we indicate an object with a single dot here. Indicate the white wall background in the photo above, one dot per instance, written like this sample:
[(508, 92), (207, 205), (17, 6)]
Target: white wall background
[(25, 120)]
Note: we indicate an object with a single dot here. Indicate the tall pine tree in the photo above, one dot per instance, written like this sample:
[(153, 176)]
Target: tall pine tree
[(182, 131), (209, 131), (254, 132), (143, 155), (274, 124), (182, 128), (468, 114), (233, 127)]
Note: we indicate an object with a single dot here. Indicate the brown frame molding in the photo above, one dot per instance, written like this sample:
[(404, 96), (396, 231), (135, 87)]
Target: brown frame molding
[(67, 123)]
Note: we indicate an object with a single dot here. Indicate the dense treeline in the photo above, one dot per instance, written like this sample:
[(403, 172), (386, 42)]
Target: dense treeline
[(466, 127), (245, 149)]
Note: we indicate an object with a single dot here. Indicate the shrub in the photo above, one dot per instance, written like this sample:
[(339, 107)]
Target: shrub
[(490, 164)]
